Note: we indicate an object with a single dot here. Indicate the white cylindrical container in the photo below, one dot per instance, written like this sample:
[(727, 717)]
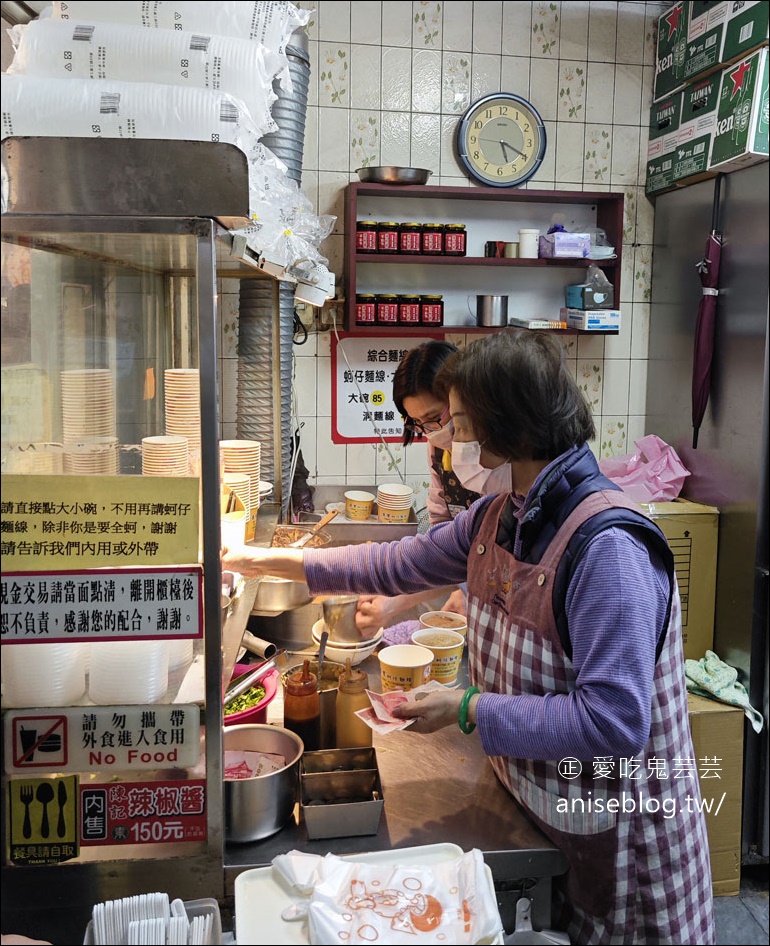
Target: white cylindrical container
[(128, 672), (528, 243), (44, 674)]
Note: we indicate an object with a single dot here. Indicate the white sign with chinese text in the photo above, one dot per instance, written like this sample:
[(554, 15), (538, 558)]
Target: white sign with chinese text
[(362, 386), (102, 604), (102, 738)]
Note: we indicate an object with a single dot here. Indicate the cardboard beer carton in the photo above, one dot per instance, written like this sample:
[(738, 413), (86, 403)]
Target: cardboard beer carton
[(696, 130), (665, 119), (719, 33), (671, 50), (740, 137)]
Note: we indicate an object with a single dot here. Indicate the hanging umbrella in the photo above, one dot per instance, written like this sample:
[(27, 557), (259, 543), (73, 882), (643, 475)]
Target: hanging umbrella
[(708, 270)]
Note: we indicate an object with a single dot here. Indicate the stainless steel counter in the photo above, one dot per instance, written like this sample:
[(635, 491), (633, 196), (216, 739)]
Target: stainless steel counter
[(436, 788)]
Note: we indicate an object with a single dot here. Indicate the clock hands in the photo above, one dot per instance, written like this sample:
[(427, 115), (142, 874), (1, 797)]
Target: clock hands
[(504, 145)]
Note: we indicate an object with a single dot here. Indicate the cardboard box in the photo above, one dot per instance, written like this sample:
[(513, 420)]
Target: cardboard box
[(663, 138), (721, 33), (740, 136), (592, 320), (691, 530), (564, 246), (581, 296), (700, 103), (717, 735), (671, 50)]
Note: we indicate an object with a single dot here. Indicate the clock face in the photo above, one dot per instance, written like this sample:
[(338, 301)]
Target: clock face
[(501, 140)]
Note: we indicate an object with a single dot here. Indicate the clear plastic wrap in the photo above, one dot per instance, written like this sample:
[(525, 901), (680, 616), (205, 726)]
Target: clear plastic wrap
[(66, 49)]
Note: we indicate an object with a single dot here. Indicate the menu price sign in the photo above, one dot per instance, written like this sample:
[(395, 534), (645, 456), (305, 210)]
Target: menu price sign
[(363, 410), (51, 522)]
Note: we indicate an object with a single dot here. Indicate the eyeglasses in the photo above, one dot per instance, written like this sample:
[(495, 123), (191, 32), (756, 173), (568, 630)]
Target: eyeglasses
[(428, 426)]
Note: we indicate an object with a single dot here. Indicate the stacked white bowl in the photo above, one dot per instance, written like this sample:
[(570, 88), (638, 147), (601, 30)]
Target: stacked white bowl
[(394, 501), (339, 652), (128, 672), (243, 456), (165, 455), (43, 674)]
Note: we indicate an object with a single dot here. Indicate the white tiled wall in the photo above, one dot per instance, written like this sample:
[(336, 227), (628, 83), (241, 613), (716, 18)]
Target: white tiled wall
[(388, 82)]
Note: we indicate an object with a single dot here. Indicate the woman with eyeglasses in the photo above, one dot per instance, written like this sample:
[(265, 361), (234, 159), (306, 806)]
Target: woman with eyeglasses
[(426, 416), (575, 659)]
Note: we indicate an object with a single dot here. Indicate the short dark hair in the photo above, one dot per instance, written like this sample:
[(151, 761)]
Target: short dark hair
[(520, 397), (416, 373)]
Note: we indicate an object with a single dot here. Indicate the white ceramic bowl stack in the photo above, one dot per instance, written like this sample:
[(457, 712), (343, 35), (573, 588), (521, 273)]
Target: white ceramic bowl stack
[(243, 456), (240, 484), (88, 405), (339, 652), (394, 500), (165, 456), (128, 672), (43, 674), (183, 409)]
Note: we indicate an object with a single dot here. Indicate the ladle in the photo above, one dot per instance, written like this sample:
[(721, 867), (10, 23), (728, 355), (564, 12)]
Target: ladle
[(304, 539), (321, 652)]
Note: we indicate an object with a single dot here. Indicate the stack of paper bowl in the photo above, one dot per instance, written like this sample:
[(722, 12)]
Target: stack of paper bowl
[(88, 404), (243, 456), (43, 674), (240, 484), (165, 456), (128, 672), (93, 456), (183, 407), (339, 652), (394, 502)]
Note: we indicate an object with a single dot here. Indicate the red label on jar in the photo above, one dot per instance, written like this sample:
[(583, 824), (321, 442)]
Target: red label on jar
[(432, 313), (387, 313), (432, 242), (410, 241), (365, 313), (387, 241), (366, 241), (454, 243), (409, 312)]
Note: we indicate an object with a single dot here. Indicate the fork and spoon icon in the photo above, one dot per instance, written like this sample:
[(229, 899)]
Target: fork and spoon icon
[(45, 795)]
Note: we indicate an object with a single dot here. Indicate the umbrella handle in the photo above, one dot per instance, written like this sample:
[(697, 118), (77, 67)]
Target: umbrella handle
[(715, 204)]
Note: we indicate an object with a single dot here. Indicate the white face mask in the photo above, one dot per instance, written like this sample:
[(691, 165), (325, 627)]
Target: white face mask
[(466, 462), (442, 438)]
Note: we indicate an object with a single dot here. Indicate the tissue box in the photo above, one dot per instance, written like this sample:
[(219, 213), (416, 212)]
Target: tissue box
[(593, 320), (586, 297), (564, 246)]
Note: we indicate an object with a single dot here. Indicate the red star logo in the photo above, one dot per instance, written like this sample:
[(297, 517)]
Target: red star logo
[(672, 18), (738, 75)]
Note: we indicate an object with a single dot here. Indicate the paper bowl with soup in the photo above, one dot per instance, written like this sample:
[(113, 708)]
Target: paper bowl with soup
[(447, 649), (445, 620)]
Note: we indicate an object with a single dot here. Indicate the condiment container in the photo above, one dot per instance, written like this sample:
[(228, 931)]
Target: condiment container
[(432, 310), (366, 236), (410, 238), (351, 697), (302, 706), (528, 244), (387, 308), (433, 239), (387, 237), (366, 308), (409, 310), (454, 239)]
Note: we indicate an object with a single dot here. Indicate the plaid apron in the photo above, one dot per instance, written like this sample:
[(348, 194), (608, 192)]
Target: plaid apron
[(659, 889)]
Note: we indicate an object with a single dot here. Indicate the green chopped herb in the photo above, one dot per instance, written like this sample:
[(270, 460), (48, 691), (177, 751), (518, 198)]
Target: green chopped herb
[(247, 700)]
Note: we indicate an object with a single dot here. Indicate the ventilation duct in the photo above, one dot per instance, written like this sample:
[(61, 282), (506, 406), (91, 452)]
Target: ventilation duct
[(266, 326)]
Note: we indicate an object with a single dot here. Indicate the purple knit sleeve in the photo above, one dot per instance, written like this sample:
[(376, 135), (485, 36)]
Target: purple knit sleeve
[(615, 604), (438, 557)]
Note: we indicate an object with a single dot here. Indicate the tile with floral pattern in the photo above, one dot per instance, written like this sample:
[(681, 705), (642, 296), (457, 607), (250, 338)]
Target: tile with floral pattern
[(334, 77), (427, 21), (365, 140), (546, 26)]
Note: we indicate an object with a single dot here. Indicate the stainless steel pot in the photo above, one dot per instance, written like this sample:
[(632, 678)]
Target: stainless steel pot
[(275, 595), (491, 311), (256, 808), (291, 629)]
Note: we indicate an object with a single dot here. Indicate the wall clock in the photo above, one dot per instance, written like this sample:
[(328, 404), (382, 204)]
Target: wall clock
[(501, 140)]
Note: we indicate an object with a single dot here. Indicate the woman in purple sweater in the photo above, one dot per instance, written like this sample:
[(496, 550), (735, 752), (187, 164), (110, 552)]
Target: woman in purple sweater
[(574, 646)]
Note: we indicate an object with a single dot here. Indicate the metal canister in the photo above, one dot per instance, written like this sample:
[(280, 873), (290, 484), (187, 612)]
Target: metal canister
[(432, 310), (387, 308)]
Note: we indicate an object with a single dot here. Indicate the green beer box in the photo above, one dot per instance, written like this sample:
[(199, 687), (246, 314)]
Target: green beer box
[(671, 50), (699, 117), (720, 32), (665, 120), (741, 134)]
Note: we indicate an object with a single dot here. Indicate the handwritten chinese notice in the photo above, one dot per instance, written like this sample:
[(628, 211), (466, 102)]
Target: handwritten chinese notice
[(54, 522), (363, 410), (102, 604)]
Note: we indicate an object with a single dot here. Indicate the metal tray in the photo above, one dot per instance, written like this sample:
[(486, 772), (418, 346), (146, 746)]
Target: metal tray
[(346, 532), (390, 174)]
